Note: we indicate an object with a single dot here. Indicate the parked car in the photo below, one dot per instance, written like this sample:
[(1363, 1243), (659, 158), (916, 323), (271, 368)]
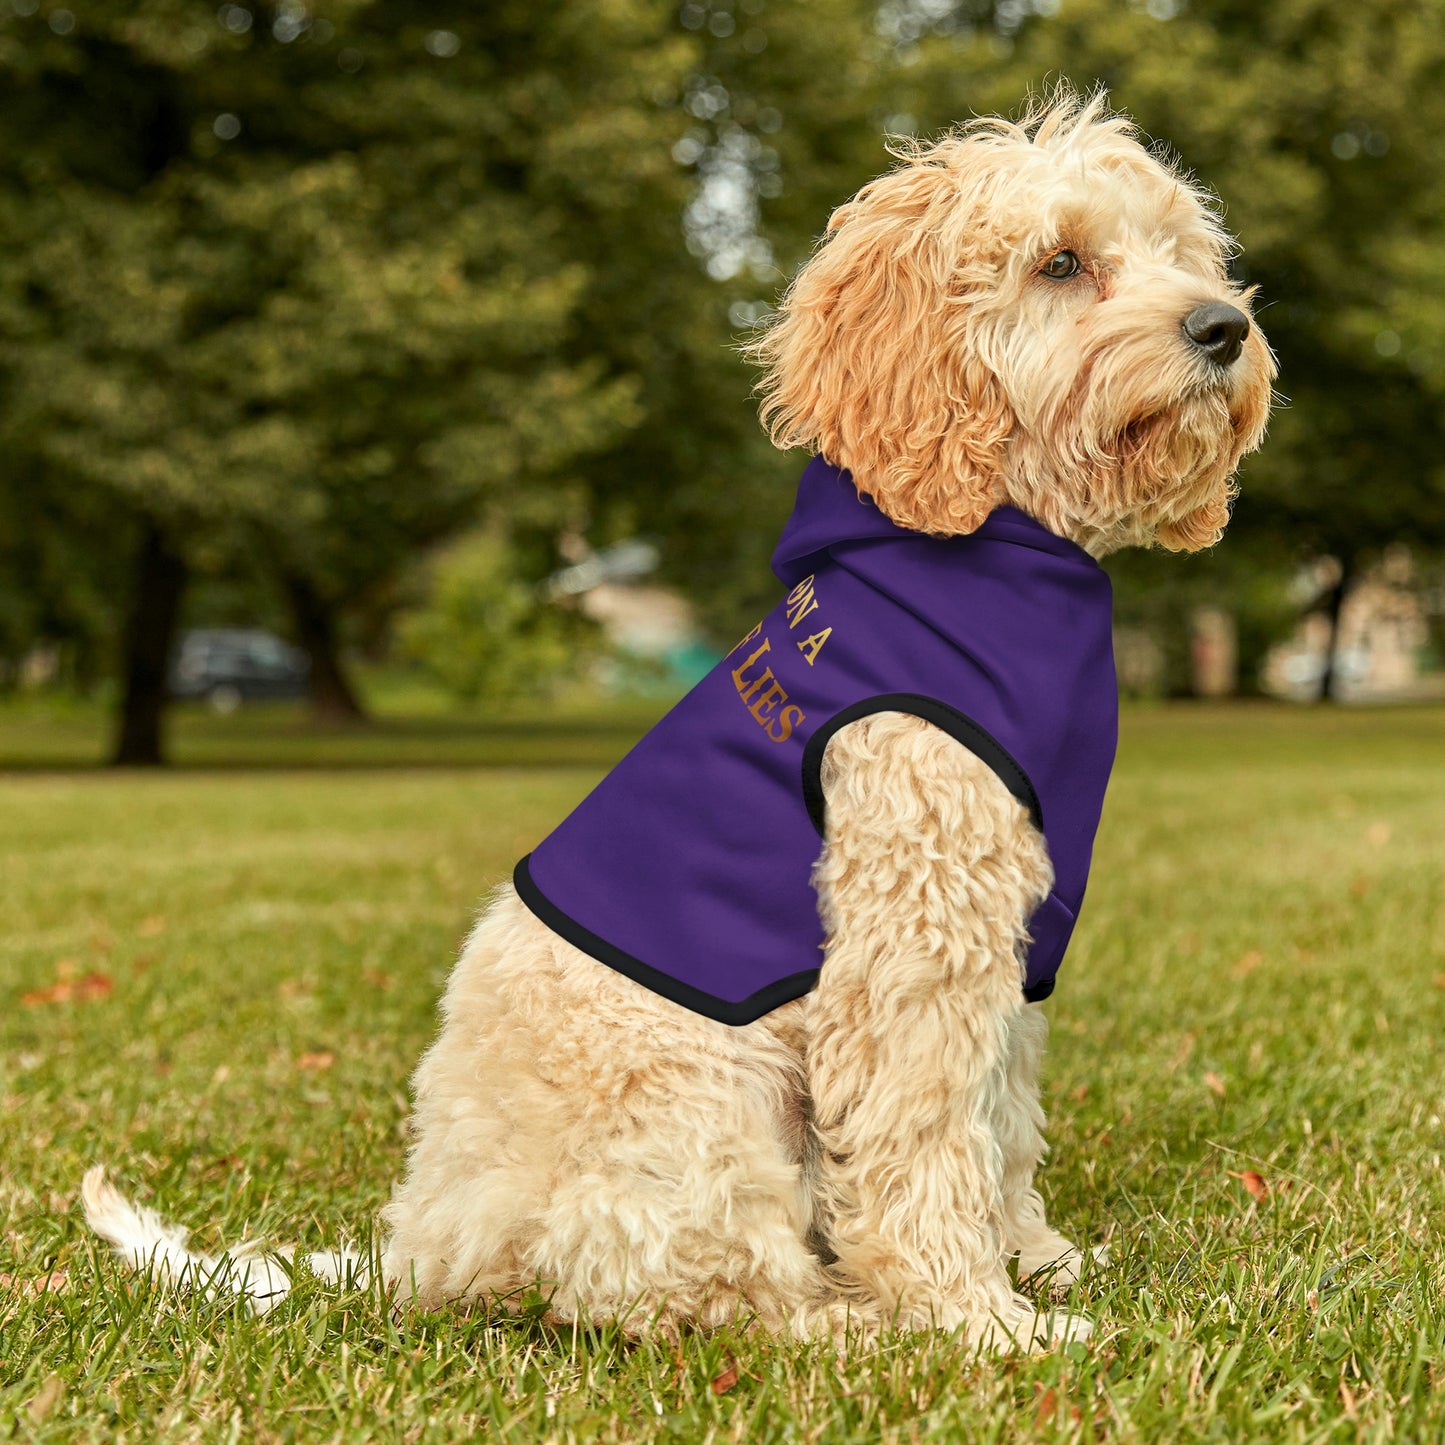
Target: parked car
[(230, 665)]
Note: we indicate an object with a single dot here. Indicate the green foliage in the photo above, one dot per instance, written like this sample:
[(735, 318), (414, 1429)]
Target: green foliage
[(310, 286), (317, 287), (61, 568), (315, 282), (487, 634)]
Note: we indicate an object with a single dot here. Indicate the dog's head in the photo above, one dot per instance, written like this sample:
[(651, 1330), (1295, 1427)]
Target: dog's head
[(1036, 313)]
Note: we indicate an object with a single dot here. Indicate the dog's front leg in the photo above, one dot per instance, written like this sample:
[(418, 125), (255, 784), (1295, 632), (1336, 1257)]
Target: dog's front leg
[(1042, 1251), (929, 872)]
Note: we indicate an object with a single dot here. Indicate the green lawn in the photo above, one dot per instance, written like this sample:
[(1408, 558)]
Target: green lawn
[(230, 970)]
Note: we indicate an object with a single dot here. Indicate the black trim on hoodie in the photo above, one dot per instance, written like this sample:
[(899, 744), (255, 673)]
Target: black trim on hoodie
[(979, 742)]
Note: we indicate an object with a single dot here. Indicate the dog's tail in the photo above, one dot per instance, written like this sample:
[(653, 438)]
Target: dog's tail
[(147, 1243)]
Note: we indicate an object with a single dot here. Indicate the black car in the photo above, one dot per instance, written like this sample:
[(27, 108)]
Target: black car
[(231, 665)]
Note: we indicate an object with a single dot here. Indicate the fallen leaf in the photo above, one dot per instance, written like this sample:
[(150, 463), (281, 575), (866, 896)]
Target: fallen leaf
[(1440, 980), (377, 978), (83, 990), (56, 1282), (1254, 1182), (56, 993), (1080, 1094), (1047, 1408), (1214, 1083), (1248, 963), (724, 1382), (151, 927), (320, 1059)]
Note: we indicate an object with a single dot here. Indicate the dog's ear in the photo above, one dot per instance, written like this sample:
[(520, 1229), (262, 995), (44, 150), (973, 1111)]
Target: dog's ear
[(873, 359)]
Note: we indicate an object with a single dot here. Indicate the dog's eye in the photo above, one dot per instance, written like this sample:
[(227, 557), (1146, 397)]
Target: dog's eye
[(1060, 266)]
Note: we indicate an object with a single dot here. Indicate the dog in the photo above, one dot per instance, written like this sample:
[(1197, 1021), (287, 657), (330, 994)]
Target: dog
[(660, 1098)]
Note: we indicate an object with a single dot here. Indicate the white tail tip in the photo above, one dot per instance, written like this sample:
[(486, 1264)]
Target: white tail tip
[(147, 1243)]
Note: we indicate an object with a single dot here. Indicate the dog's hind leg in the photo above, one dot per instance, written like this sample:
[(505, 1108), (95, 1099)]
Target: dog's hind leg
[(679, 1195), (929, 873), (578, 1135)]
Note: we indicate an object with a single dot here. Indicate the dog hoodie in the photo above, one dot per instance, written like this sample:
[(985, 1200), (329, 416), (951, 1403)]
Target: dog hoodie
[(688, 866)]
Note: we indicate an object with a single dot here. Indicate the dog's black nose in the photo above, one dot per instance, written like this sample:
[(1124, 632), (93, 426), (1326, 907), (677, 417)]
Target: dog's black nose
[(1218, 331)]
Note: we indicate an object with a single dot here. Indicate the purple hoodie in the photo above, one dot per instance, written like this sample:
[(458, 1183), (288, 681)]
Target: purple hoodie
[(688, 866)]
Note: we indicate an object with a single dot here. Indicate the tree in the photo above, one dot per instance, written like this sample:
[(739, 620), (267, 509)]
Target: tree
[(303, 288)]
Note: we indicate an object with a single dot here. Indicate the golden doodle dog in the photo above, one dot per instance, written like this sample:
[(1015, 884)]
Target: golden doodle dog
[(1017, 351)]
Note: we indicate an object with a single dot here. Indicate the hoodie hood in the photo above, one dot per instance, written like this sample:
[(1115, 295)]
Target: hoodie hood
[(830, 511)]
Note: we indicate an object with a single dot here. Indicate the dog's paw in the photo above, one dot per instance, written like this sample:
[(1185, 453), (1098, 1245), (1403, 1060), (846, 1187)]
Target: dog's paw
[(1023, 1326), (1058, 1267), (1059, 1327)]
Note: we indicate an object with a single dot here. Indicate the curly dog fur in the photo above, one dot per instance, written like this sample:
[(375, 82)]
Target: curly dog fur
[(864, 1156)]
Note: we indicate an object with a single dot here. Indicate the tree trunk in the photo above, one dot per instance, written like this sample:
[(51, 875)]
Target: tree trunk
[(150, 631), (333, 699), (1329, 679)]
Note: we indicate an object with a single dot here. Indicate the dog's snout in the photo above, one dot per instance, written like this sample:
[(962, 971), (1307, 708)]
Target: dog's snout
[(1218, 331)]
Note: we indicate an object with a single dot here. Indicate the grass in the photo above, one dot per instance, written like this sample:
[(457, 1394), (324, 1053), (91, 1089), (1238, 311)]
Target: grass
[(230, 971), (410, 729)]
